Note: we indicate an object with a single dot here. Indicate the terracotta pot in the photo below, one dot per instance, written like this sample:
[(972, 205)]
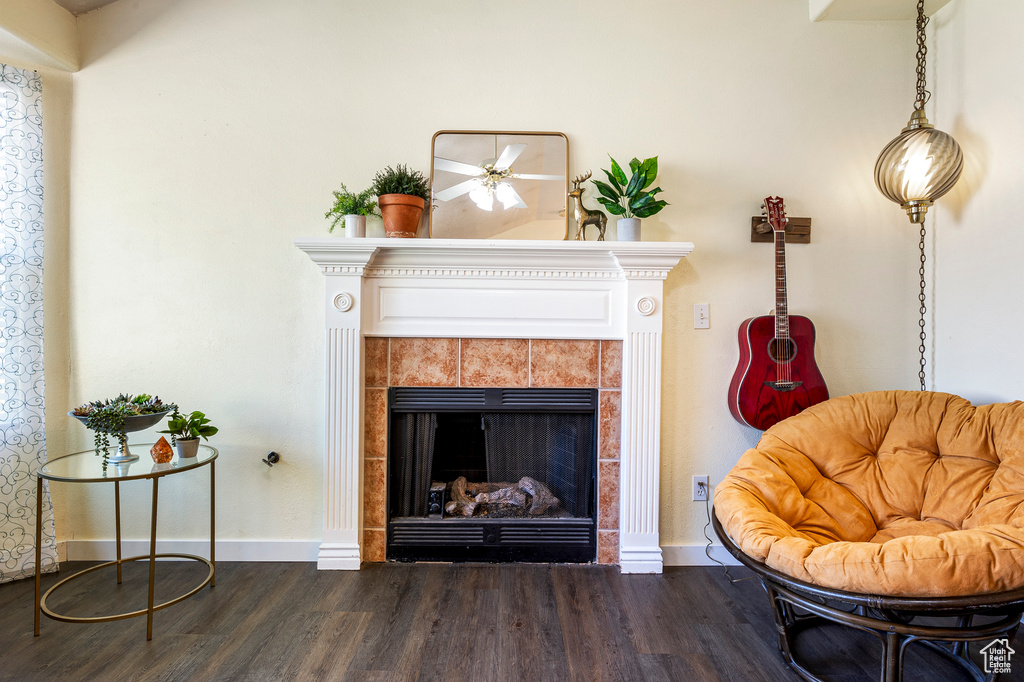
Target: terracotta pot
[(401, 214)]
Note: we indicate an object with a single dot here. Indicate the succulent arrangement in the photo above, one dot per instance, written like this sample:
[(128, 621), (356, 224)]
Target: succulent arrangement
[(401, 180), (351, 203), (106, 418), (628, 196), (190, 427)]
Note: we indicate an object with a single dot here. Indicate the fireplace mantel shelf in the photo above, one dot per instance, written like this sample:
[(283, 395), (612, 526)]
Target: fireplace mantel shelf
[(470, 288), (488, 257)]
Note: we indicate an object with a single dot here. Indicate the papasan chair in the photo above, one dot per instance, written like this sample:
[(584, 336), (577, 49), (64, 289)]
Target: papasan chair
[(875, 510)]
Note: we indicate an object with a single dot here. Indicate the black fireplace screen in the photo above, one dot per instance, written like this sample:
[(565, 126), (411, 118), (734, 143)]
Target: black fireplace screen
[(550, 449), (413, 436), (491, 464), (519, 464)]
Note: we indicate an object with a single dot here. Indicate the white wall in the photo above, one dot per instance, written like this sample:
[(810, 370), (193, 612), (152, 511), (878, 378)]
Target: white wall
[(208, 134), (977, 234)]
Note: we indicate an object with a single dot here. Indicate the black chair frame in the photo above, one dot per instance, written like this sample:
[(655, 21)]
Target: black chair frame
[(798, 606)]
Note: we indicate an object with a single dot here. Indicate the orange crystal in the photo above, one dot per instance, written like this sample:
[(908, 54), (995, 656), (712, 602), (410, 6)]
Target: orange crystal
[(161, 452)]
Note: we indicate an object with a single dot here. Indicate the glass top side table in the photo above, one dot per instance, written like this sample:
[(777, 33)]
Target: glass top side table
[(88, 467)]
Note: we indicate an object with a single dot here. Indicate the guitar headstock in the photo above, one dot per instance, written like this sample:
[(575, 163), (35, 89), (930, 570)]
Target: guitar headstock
[(775, 210)]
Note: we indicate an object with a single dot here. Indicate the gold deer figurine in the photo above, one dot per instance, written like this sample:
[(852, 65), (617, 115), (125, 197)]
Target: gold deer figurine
[(585, 216)]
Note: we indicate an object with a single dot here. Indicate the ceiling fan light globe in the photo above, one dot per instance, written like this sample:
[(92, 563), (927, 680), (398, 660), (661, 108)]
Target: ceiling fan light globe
[(506, 195), (482, 197), (478, 193)]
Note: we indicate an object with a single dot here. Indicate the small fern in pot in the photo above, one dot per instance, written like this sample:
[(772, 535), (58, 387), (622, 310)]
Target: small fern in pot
[(353, 208)]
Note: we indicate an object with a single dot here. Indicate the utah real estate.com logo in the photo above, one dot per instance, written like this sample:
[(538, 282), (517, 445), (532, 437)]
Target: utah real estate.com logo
[(997, 656)]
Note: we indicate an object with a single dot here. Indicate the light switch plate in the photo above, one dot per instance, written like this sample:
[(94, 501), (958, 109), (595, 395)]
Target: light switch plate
[(701, 316)]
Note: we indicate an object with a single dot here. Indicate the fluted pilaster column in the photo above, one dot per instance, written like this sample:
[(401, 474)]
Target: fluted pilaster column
[(343, 438), (640, 458)]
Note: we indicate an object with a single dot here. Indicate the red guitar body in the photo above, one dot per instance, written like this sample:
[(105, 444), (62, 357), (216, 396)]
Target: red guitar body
[(765, 391), (776, 377)]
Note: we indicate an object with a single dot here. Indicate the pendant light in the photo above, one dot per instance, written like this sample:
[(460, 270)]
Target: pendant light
[(919, 166)]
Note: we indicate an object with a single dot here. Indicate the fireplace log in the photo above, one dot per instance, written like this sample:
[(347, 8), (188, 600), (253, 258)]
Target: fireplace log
[(474, 489), (511, 495), (460, 502), (543, 498)]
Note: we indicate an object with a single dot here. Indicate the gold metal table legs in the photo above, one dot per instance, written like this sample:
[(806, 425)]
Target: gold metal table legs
[(210, 579)]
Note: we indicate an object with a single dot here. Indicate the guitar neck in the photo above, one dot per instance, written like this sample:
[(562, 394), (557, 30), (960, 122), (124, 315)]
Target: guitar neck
[(781, 304)]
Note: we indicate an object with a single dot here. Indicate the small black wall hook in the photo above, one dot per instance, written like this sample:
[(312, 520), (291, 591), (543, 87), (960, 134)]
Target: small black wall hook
[(271, 459)]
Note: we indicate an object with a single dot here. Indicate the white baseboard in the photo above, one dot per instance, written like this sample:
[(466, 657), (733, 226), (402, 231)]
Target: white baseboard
[(313, 550), (693, 555), (227, 550)]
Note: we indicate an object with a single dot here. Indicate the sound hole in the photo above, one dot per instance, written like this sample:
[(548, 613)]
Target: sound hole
[(782, 350)]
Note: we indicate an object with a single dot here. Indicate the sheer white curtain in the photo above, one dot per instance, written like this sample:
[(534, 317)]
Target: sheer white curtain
[(23, 447)]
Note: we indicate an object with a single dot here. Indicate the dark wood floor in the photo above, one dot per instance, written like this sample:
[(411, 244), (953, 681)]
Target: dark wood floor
[(456, 622)]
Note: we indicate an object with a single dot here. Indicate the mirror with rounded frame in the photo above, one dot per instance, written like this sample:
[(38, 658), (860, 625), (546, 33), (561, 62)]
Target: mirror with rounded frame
[(489, 184)]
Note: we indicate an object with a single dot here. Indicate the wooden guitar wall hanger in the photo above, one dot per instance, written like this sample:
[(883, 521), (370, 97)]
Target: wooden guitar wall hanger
[(798, 230)]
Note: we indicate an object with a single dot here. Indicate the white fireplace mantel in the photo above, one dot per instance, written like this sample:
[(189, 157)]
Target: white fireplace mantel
[(468, 288)]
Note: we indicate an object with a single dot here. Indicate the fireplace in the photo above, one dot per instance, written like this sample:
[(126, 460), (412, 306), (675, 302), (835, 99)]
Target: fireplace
[(492, 474), (451, 291)]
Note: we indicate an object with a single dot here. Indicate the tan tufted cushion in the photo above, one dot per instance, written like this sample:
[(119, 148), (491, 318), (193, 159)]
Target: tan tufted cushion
[(900, 493)]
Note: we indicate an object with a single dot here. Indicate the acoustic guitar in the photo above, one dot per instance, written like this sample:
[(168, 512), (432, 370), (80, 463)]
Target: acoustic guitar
[(776, 377)]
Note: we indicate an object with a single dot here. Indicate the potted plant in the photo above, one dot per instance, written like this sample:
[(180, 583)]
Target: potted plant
[(117, 418), (353, 208), (186, 430), (402, 195), (629, 197)]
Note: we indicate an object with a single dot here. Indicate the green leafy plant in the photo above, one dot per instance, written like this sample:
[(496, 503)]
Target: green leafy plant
[(401, 180), (106, 418), (629, 197), (192, 427), (350, 203)]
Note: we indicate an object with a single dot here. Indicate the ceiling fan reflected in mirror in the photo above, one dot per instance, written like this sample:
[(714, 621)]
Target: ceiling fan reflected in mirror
[(490, 178)]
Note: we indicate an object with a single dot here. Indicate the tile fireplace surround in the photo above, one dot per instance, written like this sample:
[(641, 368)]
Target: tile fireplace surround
[(538, 293)]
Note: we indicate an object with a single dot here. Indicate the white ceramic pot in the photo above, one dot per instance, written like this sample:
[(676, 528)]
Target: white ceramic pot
[(628, 229), (187, 449), (355, 226)]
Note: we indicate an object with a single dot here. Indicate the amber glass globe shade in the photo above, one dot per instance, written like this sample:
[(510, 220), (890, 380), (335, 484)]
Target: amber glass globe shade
[(918, 167)]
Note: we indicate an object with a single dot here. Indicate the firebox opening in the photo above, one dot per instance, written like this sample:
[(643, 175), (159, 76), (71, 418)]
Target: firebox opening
[(492, 474), (460, 447)]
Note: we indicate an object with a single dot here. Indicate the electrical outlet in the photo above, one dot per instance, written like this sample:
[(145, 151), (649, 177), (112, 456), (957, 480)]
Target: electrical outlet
[(700, 488)]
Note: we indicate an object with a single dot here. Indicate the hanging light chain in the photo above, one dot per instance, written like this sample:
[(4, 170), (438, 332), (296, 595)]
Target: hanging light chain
[(923, 310), (922, 51)]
